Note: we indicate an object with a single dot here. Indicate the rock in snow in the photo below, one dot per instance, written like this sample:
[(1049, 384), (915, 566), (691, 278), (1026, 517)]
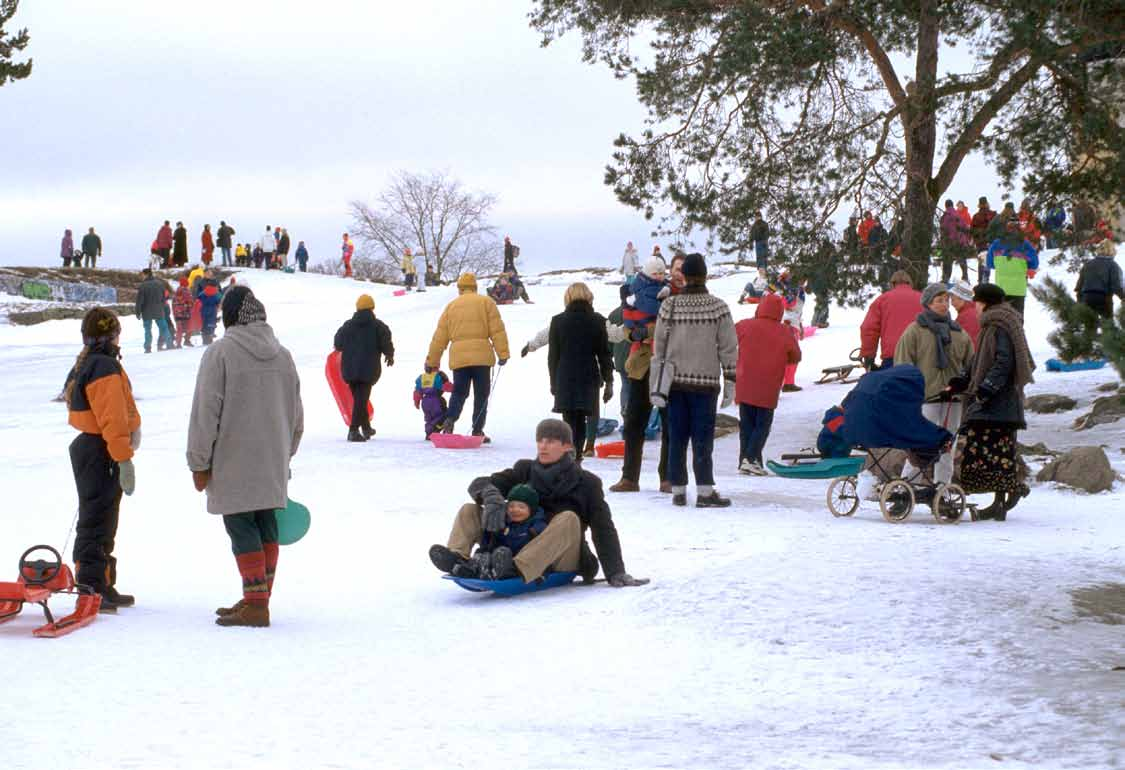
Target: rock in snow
[(1084, 467)]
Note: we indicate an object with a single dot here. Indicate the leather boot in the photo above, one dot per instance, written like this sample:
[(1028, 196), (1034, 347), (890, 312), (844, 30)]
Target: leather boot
[(233, 609), (255, 615)]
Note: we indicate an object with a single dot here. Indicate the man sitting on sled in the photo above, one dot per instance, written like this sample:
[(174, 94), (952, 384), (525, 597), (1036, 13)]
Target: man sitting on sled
[(572, 500)]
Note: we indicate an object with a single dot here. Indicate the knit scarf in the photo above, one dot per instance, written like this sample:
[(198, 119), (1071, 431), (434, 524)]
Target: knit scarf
[(942, 327), (1002, 316), (546, 478)]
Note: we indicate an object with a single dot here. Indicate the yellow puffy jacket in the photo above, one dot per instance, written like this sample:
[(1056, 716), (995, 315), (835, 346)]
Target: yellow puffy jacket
[(193, 276), (474, 327)]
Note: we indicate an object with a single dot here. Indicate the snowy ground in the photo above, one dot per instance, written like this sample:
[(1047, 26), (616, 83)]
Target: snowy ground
[(772, 635)]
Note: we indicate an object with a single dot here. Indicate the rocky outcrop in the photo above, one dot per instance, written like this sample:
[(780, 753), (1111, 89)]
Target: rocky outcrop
[(1106, 409), (1085, 467), (31, 317), (725, 425), (1049, 403)]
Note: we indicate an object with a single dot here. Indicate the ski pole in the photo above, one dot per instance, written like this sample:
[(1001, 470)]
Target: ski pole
[(72, 523)]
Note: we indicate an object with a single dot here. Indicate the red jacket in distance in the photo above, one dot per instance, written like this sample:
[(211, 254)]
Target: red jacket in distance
[(887, 319), (164, 237), (765, 347)]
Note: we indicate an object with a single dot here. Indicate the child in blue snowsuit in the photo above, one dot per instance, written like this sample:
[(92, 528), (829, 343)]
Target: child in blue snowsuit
[(494, 559), (429, 396), (210, 299)]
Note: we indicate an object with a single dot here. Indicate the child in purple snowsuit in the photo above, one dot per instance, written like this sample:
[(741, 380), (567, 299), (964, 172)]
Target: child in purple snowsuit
[(429, 390)]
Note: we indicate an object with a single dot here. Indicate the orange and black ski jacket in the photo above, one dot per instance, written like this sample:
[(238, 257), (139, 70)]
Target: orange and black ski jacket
[(102, 403)]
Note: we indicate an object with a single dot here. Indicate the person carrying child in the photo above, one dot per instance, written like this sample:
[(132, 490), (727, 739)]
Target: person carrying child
[(429, 395), (99, 400), (642, 297), (494, 559)]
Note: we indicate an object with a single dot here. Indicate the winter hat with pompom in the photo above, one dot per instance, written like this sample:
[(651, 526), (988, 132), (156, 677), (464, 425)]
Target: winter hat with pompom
[(654, 266)]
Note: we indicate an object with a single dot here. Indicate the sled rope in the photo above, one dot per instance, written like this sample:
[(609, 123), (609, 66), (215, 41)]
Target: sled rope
[(66, 542)]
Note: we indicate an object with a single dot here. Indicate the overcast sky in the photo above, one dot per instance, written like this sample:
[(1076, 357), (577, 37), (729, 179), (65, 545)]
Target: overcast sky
[(275, 112)]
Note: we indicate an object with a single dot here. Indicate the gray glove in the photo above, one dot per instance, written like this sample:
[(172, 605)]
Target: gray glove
[(728, 393), (135, 439), (127, 476), (493, 510), (625, 580)]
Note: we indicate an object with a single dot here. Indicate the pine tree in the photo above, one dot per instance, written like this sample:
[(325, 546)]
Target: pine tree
[(1081, 333), (11, 44)]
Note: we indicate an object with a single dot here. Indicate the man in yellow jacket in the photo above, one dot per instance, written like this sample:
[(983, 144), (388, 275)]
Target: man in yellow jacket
[(474, 332)]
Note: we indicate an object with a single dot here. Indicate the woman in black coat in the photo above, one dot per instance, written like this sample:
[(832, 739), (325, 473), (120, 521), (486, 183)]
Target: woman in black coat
[(179, 245), (361, 340), (579, 359), (994, 406)]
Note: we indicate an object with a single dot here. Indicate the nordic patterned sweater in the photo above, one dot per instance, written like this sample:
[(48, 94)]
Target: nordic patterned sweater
[(695, 334)]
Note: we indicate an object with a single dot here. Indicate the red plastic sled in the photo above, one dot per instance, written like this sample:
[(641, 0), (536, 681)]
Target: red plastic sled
[(610, 449), (195, 323), (399, 293), (810, 331), (340, 390), (37, 581), (455, 440)]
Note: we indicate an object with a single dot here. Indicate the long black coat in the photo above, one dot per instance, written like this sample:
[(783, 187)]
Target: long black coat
[(578, 357), (363, 339), (998, 402), (179, 246)]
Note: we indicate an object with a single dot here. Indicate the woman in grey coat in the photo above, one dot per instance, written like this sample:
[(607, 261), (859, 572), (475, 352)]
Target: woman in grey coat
[(246, 423)]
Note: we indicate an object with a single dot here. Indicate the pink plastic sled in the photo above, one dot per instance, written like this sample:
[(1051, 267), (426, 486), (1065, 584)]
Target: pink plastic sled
[(399, 293), (809, 331), (455, 441)]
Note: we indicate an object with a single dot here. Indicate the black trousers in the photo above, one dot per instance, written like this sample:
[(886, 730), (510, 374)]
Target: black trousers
[(361, 393), (99, 499), (1017, 303), (636, 420), (577, 422)]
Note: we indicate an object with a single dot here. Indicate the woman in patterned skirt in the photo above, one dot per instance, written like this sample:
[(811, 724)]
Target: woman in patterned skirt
[(994, 411)]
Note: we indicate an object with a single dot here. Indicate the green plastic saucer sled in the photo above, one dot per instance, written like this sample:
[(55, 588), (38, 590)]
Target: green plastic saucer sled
[(292, 522)]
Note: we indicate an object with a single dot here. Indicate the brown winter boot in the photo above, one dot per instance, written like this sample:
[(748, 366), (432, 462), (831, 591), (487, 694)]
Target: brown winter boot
[(255, 614), (625, 486), (589, 450), (222, 612)]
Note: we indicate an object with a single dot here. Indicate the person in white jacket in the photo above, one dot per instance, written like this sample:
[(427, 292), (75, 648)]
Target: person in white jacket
[(629, 266), (268, 244)]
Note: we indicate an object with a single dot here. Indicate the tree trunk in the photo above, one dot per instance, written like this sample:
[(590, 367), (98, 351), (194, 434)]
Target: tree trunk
[(921, 143)]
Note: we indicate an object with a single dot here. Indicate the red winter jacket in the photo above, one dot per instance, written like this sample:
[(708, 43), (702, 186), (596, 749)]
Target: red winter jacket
[(967, 320), (887, 319), (164, 238), (765, 347)]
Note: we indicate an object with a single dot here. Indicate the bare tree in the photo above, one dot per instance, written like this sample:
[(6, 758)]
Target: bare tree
[(433, 214)]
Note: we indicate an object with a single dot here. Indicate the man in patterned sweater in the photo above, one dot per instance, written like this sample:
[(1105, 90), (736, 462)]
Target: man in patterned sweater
[(695, 357)]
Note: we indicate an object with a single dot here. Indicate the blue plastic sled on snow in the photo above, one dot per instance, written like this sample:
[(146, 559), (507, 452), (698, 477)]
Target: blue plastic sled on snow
[(827, 468), (292, 522), (1055, 365), (514, 586)]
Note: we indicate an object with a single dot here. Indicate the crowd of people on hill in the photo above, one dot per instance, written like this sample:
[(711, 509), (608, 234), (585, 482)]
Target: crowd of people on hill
[(191, 307)]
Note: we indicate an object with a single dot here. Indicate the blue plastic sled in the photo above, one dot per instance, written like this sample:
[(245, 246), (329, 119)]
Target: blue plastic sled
[(1055, 365), (828, 468), (292, 522), (514, 586)]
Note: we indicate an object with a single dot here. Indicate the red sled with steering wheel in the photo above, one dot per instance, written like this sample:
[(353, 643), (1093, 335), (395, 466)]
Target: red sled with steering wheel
[(38, 580)]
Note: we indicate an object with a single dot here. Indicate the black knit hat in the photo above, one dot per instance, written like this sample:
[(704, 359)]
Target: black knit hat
[(989, 293), (552, 428), (694, 266), (240, 306)]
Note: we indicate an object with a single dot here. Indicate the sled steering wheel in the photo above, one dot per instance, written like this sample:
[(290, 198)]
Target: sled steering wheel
[(41, 571)]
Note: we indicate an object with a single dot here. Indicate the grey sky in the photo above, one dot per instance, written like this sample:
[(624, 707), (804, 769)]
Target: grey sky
[(281, 112)]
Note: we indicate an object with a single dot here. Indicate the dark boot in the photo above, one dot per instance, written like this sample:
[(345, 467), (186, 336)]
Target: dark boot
[(679, 498), (712, 500), (625, 485), (478, 568), (503, 566), (249, 614), (483, 438), (355, 435), (447, 427), (367, 431), (108, 606), (588, 451), (118, 598), (989, 512), (445, 559)]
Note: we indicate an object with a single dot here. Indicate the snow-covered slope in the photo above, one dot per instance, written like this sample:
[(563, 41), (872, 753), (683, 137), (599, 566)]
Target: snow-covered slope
[(772, 635)]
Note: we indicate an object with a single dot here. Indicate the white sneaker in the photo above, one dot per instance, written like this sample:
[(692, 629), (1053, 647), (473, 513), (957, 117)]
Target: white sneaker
[(746, 468), (758, 470)]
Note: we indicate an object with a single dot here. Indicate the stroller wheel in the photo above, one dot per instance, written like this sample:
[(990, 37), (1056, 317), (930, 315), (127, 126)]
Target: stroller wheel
[(843, 499), (896, 501), (948, 504)]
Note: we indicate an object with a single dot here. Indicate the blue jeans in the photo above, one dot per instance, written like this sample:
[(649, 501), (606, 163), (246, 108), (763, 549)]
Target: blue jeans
[(754, 423), (762, 254), (226, 255), (477, 376), (691, 417), (164, 334)]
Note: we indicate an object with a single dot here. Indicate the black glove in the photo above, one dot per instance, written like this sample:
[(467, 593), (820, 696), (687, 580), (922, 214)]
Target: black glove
[(607, 394), (869, 363), (959, 384), (624, 580), (524, 351), (624, 291), (390, 361), (493, 510), (502, 361), (638, 333)]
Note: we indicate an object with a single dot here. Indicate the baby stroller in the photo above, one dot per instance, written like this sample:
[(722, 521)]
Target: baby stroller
[(881, 414)]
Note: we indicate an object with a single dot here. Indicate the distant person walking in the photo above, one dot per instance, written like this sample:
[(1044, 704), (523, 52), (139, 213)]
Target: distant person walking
[(409, 272), (347, 251), (629, 264), (268, 244), (179, 245), (224, 234), (208, 245), (91, 248), (760, 235), (363, 341), (67, 248), (164, 244), (283, 249), (149, 308), (302, 256), (511, 254)]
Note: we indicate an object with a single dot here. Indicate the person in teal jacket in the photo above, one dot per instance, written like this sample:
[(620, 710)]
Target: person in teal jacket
[(1015, 261)]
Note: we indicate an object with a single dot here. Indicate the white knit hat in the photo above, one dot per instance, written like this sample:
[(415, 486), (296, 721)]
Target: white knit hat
[(653, 266)]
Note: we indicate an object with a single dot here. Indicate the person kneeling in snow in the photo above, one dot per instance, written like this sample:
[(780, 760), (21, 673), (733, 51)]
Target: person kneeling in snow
[(246, 424), (494, 558), (573, 501)]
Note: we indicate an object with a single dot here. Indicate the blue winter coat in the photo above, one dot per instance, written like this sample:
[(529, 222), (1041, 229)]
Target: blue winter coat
[(645, 291), (1055, 219), (210, 299), (516, 536)]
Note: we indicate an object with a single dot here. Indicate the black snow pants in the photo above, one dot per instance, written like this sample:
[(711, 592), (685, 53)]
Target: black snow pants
[(99, 500), (361, 393)]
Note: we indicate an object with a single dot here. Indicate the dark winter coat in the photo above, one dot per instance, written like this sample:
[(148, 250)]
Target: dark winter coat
[(150, 299), (979, 228), (1100, 275), (765, 348), (179, 246), (223, 236), (759, 231), (515, 536), (574, 490), (283, 244), (302, 255), (998, 402), (362, 340), (92, 245), (578, 357)]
